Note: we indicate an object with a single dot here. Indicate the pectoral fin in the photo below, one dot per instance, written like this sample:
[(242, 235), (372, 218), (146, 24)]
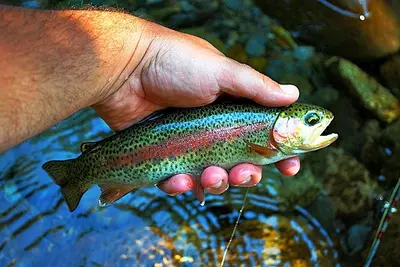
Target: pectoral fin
[(111, 193), (263, 151)]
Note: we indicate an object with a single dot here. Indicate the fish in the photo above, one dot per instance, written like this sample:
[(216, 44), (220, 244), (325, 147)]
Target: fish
[(188, 140)]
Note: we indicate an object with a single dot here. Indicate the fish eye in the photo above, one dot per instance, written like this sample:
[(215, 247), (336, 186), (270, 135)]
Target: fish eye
[(311, 118)]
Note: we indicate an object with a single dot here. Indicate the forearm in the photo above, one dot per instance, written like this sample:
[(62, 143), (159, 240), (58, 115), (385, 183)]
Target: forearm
[(53, 63)]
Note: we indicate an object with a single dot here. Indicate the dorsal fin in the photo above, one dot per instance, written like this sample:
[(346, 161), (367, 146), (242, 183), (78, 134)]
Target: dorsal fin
[(153, 116), (88, 145)]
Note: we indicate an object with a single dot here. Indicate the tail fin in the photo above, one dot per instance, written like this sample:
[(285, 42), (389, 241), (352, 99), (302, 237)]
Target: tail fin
[(64, 174)]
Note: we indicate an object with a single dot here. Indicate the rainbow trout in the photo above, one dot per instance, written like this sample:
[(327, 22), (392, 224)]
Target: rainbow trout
[(187, 141)]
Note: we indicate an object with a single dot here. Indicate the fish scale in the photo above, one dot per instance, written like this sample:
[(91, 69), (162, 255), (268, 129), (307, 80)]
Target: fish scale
[(181, 141)]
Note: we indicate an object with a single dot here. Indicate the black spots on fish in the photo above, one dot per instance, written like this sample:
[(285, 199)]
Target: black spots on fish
[(191, 156), (301, 110)]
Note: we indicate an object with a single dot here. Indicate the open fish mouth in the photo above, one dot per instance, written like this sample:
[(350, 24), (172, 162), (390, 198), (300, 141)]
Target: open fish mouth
[(324, 140), (320, 141)]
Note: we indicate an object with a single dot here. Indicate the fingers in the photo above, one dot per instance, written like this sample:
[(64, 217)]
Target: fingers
[(245, 175), (241, 80), (289, 166), (214, 180), (177, 184)]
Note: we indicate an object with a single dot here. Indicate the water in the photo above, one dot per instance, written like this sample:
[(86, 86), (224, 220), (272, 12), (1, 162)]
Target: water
[(146, 228)]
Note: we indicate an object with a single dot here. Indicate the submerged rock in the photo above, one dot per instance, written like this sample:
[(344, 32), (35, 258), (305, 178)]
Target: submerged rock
[(322, 210), (377, 36), (347, 124), (390, 72), (355, 238), (297, 62), (237, 53), (301, 189), (255, 46), (346, 181), (325, 96), (258, 63), (381, 153), (372, 95)]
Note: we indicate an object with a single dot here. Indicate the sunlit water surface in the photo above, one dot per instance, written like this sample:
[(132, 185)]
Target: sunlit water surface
[(145, 228)]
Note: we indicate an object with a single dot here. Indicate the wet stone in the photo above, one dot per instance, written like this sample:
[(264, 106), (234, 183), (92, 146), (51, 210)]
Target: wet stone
[(258, 63), (390, 72), (322, 210), (347, 123), (234, 4), (291, 62), (283, 37), (237, 52), (356, 238), (381, 153), (255, 46), (163, 13), (154, 2), (324, 96), (301, 190), (365, 89), (347, 182)]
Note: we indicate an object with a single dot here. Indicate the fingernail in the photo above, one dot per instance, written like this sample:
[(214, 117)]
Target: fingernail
[(289, 89), (217, 188), (217, 185), (174, 194), (246, 181)]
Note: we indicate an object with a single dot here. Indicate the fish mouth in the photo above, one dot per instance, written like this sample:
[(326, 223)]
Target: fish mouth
[(324, 140), (319, 141)]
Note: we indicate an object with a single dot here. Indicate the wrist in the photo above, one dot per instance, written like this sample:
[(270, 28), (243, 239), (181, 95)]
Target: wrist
[(120, 52)]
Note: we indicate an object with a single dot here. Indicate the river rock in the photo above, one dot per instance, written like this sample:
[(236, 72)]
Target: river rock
[(346, 181), (390, 73), (366, 90), (381, 153)]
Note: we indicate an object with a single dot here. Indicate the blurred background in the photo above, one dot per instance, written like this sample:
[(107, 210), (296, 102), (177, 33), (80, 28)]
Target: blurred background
[(342, 54)]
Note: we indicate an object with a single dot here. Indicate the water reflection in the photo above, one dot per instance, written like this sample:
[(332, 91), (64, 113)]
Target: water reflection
[(146, 228)]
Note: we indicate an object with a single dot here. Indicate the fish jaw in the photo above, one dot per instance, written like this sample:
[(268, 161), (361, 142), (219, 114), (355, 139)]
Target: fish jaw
[(323, 141), (319, 141)]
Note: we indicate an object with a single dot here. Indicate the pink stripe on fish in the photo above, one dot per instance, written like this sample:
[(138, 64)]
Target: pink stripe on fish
[(180, 144)]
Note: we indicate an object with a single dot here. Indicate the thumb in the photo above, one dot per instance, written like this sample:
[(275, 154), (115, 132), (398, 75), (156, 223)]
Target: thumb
[(241, 80)]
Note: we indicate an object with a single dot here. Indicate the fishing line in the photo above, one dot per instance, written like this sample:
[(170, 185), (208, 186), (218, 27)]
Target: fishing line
[(234, 228), (387, 214)]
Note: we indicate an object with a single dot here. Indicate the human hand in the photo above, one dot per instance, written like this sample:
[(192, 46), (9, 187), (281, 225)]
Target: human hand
[(180, 70)]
